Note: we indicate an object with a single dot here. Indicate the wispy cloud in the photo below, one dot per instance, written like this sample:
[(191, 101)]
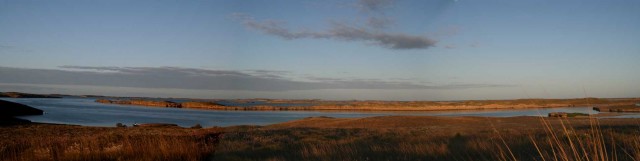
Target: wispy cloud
[(375, 11), (13, 49), (192, 78), (371, 31), (6, 46), (374, 5), (162, 71)]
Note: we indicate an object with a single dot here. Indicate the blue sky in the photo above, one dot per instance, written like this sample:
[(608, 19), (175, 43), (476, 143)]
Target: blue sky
[(417, 50)]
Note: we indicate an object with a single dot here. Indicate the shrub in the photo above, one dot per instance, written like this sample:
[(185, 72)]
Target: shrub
[(120, 125)]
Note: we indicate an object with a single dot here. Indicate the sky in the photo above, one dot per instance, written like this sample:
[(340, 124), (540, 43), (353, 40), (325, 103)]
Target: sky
[(330, 49)]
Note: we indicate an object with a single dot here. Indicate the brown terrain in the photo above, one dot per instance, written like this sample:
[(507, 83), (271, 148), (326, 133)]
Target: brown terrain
[(68, 142), (448, 124), (435, 138), (606, 104), (390, 105), (325, 138), (624, 108), (141, 102)]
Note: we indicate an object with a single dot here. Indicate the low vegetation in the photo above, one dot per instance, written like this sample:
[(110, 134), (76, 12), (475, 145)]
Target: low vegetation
[(486, 139), (325, 138), (577, 114), (623, 108), (65, 142)]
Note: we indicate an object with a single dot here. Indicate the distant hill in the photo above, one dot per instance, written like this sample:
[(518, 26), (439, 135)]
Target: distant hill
[(8, 111), (11, 109), (26, 95)]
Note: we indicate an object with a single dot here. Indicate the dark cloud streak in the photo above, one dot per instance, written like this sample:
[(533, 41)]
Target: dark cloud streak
[(374, 5), (340, 31), (372, 31), (190, 78)]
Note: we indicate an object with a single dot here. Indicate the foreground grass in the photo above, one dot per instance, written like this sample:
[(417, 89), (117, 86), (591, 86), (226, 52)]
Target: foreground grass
[(487, 139), (322, 138), (63, 142)]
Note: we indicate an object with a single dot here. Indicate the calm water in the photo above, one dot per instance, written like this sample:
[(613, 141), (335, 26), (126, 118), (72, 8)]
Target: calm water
[(84, 111)]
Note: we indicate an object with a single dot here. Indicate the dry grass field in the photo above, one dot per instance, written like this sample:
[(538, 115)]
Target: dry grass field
[(324, 138), (435, 138), (66, 142)]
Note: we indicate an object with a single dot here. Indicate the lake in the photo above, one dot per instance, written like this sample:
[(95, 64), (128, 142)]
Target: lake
[(84, 111)]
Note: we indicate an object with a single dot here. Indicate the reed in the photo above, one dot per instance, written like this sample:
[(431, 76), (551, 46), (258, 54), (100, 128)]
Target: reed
[(593, 143)]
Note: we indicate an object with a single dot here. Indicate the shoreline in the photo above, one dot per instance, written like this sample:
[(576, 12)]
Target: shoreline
[(319, 105), (261, 104), (321, 119)]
